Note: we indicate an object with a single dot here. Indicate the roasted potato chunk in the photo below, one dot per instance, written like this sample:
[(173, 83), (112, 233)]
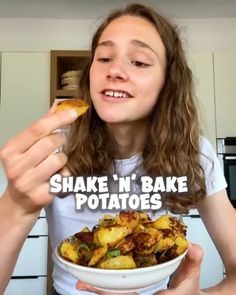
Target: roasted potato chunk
[(79, 105), (119, 262), (144, 242), (144, 217), (68, 250), (182, 244), (125, 246), (107, 219), (145, 260), (129, 219), (98, 253), (111, 235), (171, 226), (163, 245), (163, 222)]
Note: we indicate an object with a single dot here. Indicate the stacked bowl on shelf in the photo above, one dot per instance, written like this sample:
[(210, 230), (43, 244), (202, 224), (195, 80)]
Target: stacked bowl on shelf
[(69, 80)]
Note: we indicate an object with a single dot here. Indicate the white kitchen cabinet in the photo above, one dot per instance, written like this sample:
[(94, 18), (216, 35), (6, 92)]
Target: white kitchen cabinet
[(201, 65), (27, 286), (212, 270), (225, 93), (25, 90), (32, 260), (40, 228)]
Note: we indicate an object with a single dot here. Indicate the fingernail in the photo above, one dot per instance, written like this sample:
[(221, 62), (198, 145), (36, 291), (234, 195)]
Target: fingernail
[(73, 113)]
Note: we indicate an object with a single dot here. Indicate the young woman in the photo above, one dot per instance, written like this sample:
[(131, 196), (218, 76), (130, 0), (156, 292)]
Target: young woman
[(142, 119)]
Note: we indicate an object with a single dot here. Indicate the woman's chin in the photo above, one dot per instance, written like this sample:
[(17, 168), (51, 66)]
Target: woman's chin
[(111, 119)]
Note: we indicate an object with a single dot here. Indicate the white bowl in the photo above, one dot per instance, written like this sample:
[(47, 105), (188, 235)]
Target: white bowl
[(126, 280)]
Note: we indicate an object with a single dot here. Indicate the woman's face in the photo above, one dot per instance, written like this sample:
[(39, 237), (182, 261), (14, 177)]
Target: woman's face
[(128, 70)]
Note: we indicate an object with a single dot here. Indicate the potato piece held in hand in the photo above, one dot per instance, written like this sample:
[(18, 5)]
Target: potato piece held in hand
[(79, 105)]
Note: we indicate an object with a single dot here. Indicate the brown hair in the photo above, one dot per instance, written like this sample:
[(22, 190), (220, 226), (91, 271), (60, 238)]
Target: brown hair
[(172, 145)]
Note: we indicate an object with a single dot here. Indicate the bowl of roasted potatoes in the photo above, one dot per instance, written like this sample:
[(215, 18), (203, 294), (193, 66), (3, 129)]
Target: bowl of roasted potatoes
[(125, 252)]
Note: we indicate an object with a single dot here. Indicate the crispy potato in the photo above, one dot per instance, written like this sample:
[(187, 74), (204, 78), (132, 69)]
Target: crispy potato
[(111, 235), (163, 244), (119, 262), (129, 219), (98, 253), (107, 219), (144, 242), (182, 244), (85, 230), (125, 246), (84, 236), (79, 105), (157, 234), (145, 260), (163, 222), (68, 250), (170, 225), (143, 217), (140, 227)]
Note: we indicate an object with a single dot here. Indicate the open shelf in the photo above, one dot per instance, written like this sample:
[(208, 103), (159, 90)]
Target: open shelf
[(64, 61)]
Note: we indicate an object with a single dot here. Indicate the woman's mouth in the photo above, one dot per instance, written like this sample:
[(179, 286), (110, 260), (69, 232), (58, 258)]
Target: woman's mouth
[(115, 95)]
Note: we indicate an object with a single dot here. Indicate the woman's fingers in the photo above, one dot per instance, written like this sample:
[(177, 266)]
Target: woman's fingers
[(30, 160), (41, 128), (33, 156), (83, 286), (52, 108), (40, 197), (40, 174), (86, 287)]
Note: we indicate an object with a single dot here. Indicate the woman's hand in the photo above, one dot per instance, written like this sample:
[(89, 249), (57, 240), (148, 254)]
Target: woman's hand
[(83, 286), (30, 160), (185, 280)]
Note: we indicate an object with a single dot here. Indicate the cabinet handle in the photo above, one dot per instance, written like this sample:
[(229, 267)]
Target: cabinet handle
[(230, 157), (194, 216), (25, 277)]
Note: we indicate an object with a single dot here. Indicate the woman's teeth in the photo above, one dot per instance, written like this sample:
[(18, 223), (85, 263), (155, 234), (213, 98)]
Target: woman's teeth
[(119, 94)]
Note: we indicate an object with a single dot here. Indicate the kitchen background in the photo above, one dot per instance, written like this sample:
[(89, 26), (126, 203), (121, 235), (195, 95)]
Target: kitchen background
[(29, 30)]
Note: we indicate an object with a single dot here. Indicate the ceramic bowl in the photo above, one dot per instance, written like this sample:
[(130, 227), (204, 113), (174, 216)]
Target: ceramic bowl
[(126, 280)]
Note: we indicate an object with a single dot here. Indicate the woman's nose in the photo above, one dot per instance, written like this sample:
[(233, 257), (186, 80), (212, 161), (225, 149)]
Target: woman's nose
[(117, 72)]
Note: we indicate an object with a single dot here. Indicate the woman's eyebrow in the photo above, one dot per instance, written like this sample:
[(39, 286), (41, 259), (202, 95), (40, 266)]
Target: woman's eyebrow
[(106, 43), (135, 42), (140, 43)]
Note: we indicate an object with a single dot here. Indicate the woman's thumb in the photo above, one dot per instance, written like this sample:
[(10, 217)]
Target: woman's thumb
[(189, 267)]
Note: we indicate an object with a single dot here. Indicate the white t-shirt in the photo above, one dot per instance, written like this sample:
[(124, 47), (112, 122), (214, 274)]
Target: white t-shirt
[(64, 220)]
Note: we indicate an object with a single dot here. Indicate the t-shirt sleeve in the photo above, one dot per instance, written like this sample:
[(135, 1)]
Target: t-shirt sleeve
[(214, 176)]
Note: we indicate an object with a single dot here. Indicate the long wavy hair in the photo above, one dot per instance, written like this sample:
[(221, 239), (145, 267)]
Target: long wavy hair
[(172, 145)]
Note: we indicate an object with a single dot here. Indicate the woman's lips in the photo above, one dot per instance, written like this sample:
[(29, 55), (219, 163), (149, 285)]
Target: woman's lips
[(111, 95), (114, 99)]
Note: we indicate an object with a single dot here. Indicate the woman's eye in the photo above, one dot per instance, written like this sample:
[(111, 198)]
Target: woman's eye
[(104, 59), (139, 64)]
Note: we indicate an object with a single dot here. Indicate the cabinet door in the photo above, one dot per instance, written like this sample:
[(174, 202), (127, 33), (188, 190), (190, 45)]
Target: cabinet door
[(40, 228), (201, 65), (25, 90), (32, 260), (225, 93), (212, 265), (27, 286)]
